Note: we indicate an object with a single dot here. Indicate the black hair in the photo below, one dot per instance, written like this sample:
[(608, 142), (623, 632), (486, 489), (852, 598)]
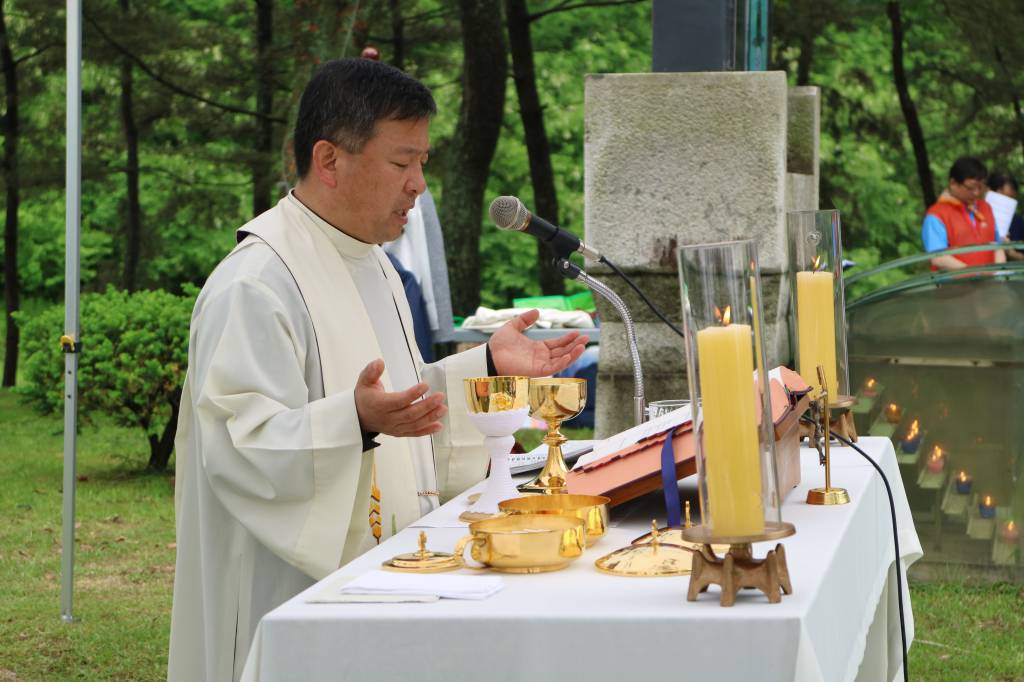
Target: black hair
[(345, 99), (968, 167), (1000, 179)]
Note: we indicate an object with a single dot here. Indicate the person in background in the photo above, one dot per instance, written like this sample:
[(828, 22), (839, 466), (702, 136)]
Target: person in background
[(1006, 184), (961, 218)]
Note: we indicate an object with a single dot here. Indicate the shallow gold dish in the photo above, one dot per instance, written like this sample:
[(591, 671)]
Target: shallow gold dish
[(523, 543), (591, 509)]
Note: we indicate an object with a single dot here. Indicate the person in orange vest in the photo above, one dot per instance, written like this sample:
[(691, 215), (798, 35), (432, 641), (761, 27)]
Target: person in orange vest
[(961, 218)]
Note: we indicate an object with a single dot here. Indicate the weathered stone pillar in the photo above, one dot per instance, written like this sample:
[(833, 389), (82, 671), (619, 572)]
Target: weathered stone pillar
[(687, 158)]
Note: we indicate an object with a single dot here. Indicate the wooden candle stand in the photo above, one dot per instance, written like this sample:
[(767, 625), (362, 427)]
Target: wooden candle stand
[(739, 569)]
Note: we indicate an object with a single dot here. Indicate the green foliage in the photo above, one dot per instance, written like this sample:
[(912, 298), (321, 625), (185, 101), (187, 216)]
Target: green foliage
[(132, 364)]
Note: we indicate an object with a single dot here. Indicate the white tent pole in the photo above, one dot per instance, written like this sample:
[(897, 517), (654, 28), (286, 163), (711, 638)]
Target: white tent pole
[(70, 341)]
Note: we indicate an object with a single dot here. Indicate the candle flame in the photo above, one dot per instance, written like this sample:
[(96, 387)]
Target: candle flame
[(1011, 525), (893, 407), (816, 264), (988, 500), (725, 317), (963, 477), (937, 453), (913, 430), (871, 383)]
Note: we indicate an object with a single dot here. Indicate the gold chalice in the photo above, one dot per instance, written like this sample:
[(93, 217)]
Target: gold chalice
[(554, 401), (497, 407)]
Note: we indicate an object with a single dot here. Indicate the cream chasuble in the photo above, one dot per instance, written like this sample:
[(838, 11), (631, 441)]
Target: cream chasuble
[(272, 486)]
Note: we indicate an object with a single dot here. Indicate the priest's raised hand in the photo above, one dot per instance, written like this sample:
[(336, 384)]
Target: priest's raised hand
[(516, 355), (400, 413)]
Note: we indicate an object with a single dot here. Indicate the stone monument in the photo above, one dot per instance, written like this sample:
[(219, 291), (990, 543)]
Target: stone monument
[(686, 158)]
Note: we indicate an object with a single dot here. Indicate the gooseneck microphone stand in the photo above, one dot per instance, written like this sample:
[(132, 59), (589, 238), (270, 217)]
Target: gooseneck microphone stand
[(573, 272)]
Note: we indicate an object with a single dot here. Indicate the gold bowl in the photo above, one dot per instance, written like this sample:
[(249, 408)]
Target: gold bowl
[(592, 509), (523, 543)]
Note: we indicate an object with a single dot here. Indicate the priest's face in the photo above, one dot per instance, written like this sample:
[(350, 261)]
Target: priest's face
[(377, 186)]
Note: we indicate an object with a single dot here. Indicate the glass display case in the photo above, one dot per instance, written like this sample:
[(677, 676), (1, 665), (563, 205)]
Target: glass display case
[(937, 364)]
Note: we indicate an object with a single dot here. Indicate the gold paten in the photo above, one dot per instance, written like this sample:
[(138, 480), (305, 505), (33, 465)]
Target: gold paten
[(827, 495), (554, 400), (592, 509), (523, 543), (423, 560), (496, 394), (652, 559), (672, 535)]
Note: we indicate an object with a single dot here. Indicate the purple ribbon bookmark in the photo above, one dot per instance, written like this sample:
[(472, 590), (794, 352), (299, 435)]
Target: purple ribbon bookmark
[(669, 484)]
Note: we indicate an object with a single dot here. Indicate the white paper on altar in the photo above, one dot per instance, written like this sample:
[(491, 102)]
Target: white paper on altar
[(635, 435), (1003, 208), (525, 462)]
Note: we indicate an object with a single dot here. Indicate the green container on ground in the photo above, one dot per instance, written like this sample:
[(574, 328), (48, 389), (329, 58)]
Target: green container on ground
[(581, 301)]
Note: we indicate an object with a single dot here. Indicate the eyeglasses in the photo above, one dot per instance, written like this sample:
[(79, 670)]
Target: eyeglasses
[(974, 186)]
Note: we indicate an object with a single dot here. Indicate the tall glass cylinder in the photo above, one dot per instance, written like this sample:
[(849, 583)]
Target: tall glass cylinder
[(735, 442), (818, 299)]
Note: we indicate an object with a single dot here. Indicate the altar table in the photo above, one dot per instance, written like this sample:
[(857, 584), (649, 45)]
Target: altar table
[(840, 623)]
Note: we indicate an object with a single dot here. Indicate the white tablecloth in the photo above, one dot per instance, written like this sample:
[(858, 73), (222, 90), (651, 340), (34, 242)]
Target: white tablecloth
[(841, 622)]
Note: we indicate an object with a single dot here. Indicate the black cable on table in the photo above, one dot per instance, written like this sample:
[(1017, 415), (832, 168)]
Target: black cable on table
[(896, 542)]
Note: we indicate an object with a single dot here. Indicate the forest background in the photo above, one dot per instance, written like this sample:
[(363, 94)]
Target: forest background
[(188, 107)]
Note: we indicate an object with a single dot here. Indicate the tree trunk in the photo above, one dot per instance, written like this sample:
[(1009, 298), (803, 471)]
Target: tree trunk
[(262, 179), (469, 154), (1019, 115), (545, 198), (133, 226), (161, 449), (12, 287), (806, 58), (924, 170), (398, 35)]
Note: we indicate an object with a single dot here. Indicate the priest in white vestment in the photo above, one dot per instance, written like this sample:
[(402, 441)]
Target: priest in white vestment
[(310, 428)]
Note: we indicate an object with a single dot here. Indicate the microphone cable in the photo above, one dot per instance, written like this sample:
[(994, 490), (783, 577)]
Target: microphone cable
[(643, 297), (895, 540)]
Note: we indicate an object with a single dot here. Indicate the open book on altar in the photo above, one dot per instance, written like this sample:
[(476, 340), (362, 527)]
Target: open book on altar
[(628, 464)]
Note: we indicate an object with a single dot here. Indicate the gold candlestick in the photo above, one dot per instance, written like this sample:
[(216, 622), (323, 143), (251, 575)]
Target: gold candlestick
[(827, 495)]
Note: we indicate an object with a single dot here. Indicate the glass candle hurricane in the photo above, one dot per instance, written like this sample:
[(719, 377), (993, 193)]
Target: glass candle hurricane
[(818, 300), (735, 445)]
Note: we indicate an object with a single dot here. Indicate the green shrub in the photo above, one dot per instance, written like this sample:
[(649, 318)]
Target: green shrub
[(131, 366)]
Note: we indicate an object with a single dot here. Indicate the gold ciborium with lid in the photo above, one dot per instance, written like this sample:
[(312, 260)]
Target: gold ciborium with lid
[(554, 400)]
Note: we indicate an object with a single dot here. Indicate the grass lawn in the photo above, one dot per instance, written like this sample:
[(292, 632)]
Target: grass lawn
[(125, 563), (124, 556)]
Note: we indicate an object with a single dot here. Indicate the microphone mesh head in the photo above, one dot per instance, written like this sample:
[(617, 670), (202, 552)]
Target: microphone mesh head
[(508, 213)]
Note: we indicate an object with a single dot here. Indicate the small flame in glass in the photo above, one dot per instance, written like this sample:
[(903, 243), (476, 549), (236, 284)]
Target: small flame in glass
[(988, 500), (1010, 526), (913, 430), (937, 453), (725, 317), (871, 383), (962, 476)]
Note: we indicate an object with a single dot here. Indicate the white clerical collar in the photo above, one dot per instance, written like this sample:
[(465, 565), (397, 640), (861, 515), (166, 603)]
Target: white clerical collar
[(346, 245)]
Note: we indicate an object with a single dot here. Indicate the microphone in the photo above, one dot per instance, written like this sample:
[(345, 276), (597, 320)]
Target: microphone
[(508, 213)]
